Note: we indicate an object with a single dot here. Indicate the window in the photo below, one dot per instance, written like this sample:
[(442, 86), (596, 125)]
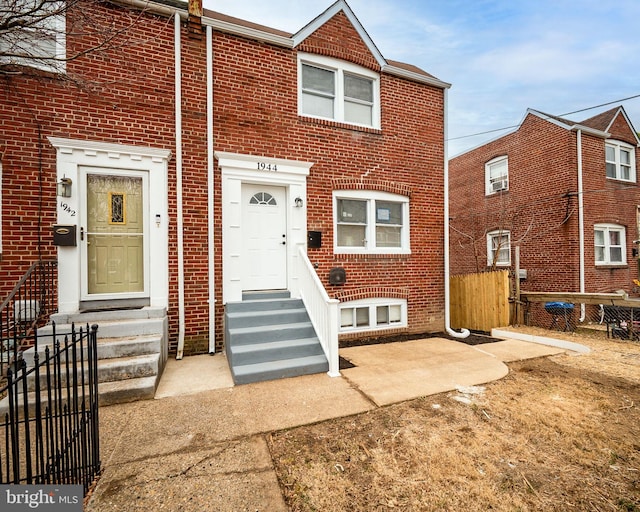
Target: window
[(337, 90), (610, 244), (621, 161), (263, 198), (499, 248), (496, 175), (117, 208), (39, 41), (373, 314), (378, 223)]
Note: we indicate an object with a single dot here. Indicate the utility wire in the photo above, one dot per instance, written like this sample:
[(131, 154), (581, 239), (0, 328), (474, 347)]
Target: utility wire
[(561, 115)]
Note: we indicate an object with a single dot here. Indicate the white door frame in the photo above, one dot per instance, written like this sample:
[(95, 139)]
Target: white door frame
[(82, 187), (72, 155), (238, 169)]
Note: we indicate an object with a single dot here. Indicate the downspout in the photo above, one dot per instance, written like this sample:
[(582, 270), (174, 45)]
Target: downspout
[(179, 213), (581, 221), (447, 308), (211, 204)]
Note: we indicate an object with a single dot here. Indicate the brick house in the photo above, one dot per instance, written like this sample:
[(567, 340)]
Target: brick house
[(253, 155), (565, 192)]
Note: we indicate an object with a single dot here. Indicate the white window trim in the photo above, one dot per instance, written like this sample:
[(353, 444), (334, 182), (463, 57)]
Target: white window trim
[(488, 183), (371, 196), (490, 255), (623, 241), (53, 63), (372, 304), (340, 68), (617, 146)]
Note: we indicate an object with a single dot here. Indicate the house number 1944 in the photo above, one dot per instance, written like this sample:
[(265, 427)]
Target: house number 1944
[(263, 166)]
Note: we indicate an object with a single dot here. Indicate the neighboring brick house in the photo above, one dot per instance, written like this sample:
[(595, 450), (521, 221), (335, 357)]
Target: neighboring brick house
[(351, 145), (558, 189)]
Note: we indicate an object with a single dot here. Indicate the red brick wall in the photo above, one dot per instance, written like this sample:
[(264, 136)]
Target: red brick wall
[(541, 207), (609, 201), (256, 113), (121, 95), (125, 95)]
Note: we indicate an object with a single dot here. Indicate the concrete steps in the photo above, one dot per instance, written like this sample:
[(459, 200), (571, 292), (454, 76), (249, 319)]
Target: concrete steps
[(132, 351), (269, 336)]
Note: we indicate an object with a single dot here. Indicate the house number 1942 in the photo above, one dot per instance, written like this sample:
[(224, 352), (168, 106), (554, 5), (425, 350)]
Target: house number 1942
[(65, 207), (263, 166)]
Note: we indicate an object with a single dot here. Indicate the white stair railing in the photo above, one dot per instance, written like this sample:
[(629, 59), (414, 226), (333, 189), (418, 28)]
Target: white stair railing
[(322, 310)]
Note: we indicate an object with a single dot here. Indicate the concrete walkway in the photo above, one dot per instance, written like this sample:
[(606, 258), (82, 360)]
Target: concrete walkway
[(202, 444)]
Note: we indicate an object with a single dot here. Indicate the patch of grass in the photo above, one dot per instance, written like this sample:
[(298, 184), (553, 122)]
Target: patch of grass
[(556, 434)]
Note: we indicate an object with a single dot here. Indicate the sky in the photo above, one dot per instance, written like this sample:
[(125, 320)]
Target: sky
[(501, 56)]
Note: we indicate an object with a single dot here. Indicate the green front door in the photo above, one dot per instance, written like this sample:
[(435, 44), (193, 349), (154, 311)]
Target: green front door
[(115, 234)]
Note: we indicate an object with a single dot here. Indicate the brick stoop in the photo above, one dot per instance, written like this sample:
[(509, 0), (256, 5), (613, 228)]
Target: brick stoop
[(132, 350), (269, 336)]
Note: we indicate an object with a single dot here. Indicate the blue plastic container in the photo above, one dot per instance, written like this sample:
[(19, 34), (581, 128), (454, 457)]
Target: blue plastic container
[(558, 308)]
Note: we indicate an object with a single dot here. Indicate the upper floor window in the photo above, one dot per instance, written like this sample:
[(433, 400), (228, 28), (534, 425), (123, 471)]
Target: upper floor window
[(371, 222), (337, 90), (621, 161), (499, 248), (35, 35), (610, 244), (496, 175)]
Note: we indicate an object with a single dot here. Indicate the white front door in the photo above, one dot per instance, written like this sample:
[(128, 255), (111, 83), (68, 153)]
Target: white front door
[(113, 239), (264, 240)]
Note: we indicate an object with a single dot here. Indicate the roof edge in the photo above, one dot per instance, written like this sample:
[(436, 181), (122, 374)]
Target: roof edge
[(591, 131), (248, 32), (165, 7), (416, 77), (318, 21), (171, 7), (622, 111)]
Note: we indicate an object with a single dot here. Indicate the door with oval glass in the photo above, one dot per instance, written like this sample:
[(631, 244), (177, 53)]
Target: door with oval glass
[(264, 237), (113, 235)]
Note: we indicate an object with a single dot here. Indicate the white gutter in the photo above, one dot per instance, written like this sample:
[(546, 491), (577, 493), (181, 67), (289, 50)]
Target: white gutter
[(581, 220), (210, 186), (179, 221), (416, 77), (447, 308), (578, 128)]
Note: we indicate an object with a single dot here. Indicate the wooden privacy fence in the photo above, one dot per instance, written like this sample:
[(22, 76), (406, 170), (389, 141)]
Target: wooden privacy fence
[(480, 302)]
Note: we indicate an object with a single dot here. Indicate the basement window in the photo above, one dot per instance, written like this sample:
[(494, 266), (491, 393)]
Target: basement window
[(373, 314)]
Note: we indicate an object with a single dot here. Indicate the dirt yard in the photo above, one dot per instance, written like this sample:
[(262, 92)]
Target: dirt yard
[(556, 434)]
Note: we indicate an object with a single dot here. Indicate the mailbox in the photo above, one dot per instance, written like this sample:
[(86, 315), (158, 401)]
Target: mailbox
[(314, 239), (337, 275), (64, 235)]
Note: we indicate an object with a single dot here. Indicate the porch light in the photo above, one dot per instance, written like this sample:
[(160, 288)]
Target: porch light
[(299, 202), (64, 187)]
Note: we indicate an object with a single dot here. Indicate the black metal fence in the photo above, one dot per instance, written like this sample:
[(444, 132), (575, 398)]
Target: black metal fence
[(28, 306), (49, 413)]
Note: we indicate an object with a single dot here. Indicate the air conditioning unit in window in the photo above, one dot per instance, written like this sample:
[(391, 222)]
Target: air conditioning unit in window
[(496, 186)]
